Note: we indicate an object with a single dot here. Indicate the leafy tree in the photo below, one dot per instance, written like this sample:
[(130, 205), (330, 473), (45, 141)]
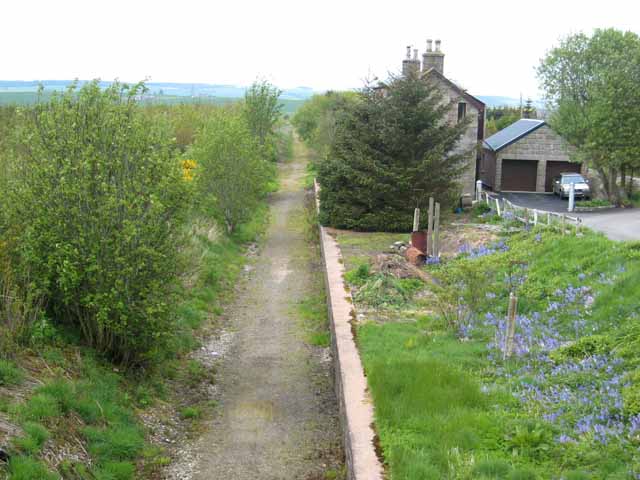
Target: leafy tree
[(94, 199), (529, 111), (231, 174), (593, 86), (315, 121), (263, 111), (501, 117), (391, 147)]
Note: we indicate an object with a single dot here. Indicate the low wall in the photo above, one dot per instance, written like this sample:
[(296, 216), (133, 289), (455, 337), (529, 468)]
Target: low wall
[(356, 409)]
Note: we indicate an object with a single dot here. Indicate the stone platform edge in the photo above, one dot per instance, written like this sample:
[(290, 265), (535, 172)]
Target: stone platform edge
[(355, 405)]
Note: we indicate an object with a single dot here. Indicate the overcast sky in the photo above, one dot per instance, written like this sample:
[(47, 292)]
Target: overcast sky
[(491, 47)]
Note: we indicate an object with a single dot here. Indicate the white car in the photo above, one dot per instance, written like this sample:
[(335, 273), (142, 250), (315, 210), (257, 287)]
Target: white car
[(562, 185)]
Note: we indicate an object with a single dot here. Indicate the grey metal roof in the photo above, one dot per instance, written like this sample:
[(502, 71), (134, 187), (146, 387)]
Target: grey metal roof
[(513, 132)]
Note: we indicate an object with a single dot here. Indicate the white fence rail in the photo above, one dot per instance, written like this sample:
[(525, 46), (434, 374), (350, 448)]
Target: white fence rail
[(529, 216)]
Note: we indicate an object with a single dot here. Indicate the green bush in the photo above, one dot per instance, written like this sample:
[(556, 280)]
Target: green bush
[(27, 468), (382, 147), (491, 469), (33, 440), (358, 276), (584, 347), (231, 175), (95, 202), (10, 374)]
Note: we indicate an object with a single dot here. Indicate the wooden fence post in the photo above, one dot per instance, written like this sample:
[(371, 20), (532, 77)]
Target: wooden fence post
[(429, 251), (511, 325), (549, 219), (416, 220), (436, 232), (535, 217), (498, 207), (526, 217)]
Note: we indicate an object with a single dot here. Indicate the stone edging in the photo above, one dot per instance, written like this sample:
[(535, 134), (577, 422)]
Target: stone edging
[(356, 409)]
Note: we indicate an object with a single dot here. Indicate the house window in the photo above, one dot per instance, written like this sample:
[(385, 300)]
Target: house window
[(462, 111)]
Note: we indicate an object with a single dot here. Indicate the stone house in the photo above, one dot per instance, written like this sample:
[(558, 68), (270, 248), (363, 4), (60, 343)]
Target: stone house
[(524, 157), (463, 105)]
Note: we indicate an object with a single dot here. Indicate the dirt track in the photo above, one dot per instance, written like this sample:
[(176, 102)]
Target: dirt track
[(277, 417)]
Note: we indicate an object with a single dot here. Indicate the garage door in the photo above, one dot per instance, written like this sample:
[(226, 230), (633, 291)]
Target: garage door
[(556, 168), (519, 175)]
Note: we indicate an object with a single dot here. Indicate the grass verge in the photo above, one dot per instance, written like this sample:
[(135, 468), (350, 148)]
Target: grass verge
[(565, 405)]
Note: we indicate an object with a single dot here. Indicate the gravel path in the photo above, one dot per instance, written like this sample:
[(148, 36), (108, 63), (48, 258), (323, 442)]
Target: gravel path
[(277, 417)]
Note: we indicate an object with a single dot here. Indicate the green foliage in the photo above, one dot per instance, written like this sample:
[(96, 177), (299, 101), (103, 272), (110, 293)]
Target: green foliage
[(231, 176), (381, 290), (481, 208), (33, 440), (10, 374), (593, 203), (358, 276), (501, 117), (95, 201), (593, 84), (382, 147), (316, 120), (584, 347), (491, 469), (27, 468), (262, 109), (191, 413)]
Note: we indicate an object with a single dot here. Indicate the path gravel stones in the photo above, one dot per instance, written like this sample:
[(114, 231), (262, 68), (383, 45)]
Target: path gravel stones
[(278, 415)]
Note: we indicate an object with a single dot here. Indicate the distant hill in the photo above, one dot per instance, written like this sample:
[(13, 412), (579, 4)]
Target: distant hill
[(496, 101), (23, 92), (158, 88)]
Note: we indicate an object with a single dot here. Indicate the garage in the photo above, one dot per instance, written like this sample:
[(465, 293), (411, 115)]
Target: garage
[(556, 168), (524, 157), (519, 175)]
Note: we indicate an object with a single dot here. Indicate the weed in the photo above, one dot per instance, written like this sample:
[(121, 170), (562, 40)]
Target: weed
[(27, 468), (191, 413), (33, 440), (10, 374)]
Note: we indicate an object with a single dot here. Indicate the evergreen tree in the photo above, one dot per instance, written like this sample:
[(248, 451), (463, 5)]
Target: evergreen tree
[(390, 146)]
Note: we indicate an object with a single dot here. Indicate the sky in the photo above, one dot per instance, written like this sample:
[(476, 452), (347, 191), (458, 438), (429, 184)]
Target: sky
[(491, 47)]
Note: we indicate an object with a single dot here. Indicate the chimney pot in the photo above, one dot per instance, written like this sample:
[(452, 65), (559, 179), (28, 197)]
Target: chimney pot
[(429, 45), (415, 54), (438, 43), (408, 52)]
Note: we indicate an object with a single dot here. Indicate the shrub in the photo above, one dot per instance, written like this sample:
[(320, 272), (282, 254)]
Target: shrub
[(26, 468), (382, 147), (33, 440), (10, 374), (358, 276), (584, 347), (95, 201), (232, 176)]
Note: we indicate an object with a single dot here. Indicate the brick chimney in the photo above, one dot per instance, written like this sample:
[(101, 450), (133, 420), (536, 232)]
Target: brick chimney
[(411, 65), (433, 59)]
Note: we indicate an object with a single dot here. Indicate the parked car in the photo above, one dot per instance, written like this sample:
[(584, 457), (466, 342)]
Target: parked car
[(562, 185)]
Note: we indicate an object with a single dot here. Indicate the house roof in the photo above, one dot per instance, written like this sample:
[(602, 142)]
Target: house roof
[(512, 133), (479, 104)]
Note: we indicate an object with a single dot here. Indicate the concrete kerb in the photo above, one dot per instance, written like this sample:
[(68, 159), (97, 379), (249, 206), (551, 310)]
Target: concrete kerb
[(356, 409)]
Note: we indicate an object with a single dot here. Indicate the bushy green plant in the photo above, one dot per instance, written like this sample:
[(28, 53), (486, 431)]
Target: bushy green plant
[(10, 374), (382, 290), (27, 468), (95, 204), (232, 175), (262, 111), (33, 440), (358, 276), (382, 147)]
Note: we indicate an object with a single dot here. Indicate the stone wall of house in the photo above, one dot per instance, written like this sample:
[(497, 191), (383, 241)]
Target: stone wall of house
[(469, 141), (541, 145)]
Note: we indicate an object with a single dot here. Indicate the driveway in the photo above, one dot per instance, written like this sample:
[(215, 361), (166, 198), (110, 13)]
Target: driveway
[(617, 224)]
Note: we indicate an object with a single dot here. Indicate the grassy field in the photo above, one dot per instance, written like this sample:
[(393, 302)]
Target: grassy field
[(565, 405)]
